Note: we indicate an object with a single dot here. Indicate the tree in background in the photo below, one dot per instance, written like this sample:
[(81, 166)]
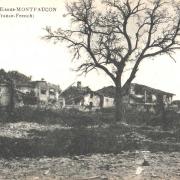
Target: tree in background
[(18, 77), (119, 34)]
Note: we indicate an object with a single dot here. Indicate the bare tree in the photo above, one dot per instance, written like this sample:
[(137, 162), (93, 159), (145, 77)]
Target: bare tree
[(118, 35)]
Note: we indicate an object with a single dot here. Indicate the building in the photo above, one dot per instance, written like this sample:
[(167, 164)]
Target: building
[(81, 98), (84, 98), (43, 92), (147, 95), (84, 101), (74, 96), (91, 100), (140, 96), (107, 94), (31, 93)]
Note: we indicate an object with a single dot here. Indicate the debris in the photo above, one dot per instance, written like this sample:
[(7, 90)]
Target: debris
[(46, 172), (163, 166), (96, 178), (20, 129), (91, 178), (145, 163), (139, 170), (154, 176)]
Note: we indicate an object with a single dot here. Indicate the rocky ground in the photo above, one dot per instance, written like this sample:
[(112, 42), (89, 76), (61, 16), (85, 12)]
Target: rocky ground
[(136, 165), (125, 166), (21, 129)]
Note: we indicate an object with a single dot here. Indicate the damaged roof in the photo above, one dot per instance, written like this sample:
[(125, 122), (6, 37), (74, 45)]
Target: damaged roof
[(152, 90), (75, 93), (109, 91)]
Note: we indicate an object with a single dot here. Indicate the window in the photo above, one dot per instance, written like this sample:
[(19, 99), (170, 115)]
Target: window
[(138, 90), (91, 95), (90, 105), (52, 92), (43, 91), (149, 98)]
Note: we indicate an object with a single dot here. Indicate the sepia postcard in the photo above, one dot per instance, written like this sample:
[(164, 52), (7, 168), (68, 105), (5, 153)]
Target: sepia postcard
[(89, 89)]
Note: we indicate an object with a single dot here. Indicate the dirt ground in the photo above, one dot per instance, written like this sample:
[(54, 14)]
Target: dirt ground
[(123, 166)]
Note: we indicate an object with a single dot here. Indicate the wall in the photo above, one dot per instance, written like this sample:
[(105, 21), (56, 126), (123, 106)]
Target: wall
[(95, 99), (167, 100), (53, 94), (108, 102), (44, 92), (62, 102), (41, 91), (25, 89), (4, 95)]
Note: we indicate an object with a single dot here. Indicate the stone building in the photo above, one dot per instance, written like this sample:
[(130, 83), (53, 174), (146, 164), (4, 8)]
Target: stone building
[(140, 97), (84, 98), (44, 92)]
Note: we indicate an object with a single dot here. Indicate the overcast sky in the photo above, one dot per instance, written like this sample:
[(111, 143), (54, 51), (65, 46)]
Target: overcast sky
[(23, 49)]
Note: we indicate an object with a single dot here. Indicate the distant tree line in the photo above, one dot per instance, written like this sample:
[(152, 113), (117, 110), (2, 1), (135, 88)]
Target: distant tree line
[(14, 76)]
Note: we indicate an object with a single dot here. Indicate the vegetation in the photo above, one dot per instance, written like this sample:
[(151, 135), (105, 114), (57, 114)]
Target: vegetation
[(76, 118), (14, 76), (86, 133)]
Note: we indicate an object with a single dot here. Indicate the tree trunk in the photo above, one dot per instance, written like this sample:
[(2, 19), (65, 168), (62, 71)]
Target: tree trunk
[(119, 111)]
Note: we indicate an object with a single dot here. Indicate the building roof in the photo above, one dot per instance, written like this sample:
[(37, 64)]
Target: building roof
[(75, 93), (109, 91), (152, 90)]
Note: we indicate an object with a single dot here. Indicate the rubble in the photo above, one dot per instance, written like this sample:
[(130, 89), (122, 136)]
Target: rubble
[(89, 167), (21, 129)]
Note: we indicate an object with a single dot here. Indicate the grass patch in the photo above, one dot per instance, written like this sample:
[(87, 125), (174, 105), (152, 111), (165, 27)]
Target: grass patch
[(83, 140), (90, 132), (75, 118)]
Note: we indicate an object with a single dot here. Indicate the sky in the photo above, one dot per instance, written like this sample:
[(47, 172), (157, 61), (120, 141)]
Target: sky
[(23, 49)]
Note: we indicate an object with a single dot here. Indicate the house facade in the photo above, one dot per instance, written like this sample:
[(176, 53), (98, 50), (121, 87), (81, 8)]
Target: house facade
[(108, 102), (147, 95), (31, 93), (79, 97), (107, 94), (140, 97), (91, 99), (43, 92), (96, 100), (84, 98)]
